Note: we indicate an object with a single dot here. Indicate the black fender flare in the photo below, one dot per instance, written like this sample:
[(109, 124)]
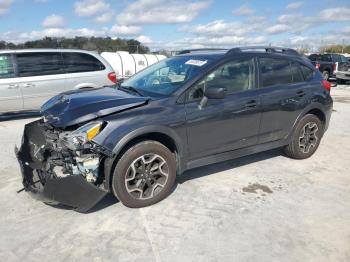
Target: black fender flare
[(164, 130), (312, 106)]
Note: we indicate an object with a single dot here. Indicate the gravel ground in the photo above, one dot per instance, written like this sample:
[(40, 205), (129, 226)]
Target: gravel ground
[(264, 207)]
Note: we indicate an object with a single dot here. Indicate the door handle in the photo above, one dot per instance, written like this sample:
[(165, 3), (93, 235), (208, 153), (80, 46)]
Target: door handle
[(301, 93), (27, 85), (251, 104), (13, 86)]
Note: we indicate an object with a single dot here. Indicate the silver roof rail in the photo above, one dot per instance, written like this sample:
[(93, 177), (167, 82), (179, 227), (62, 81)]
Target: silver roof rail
[(267, 49), (188, 51)]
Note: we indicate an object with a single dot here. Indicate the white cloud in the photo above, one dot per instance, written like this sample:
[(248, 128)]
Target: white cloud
[(5, 6), (53, 21), (335, 14), (220, 27), (18, 37), (161, 11), (144, 39), (90, 8), (125, 30), (278, 29), (104, 18), (294, 5), (243, 10)]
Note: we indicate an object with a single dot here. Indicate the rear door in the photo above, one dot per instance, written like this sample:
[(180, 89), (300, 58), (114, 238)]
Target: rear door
[(224, 124), (283, 96), (41, 77), (10, 93), (84, 70)]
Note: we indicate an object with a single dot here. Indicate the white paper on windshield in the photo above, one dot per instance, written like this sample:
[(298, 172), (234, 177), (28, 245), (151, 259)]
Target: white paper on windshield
[(196, 62)]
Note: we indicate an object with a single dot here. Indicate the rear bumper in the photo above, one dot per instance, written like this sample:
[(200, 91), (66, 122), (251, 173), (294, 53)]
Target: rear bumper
[(73, 190), (343, 75)]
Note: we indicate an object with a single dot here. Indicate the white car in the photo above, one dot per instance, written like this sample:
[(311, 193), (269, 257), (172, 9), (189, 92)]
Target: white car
[(30, 77)]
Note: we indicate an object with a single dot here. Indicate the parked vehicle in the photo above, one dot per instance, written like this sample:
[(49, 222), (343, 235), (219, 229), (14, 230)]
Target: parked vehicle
[(30, 77), (125, 64), (343, 73), (328, 64), (190, 110)]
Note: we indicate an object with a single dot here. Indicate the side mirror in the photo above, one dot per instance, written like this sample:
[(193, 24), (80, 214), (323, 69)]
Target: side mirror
[(211, 93), (215, 93)]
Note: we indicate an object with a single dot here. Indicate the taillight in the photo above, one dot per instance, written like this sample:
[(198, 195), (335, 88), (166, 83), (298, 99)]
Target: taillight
[(326, 85), (334, 66), (318, 66), (113, 77)]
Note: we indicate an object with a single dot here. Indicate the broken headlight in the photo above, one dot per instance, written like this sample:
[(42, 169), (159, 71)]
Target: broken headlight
[(84, 134)]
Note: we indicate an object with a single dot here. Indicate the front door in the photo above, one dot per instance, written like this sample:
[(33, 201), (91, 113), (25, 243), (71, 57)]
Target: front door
[(41, 77), (224, 124)]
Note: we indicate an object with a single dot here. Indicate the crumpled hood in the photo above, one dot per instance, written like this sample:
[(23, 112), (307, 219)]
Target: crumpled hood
[(74, 107)]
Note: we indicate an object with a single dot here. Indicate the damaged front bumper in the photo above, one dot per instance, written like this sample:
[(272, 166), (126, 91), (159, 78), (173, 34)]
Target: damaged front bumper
[(38, 161)]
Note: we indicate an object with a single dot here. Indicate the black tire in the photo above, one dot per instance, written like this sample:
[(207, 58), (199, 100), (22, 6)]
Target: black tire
[(125, 163), (325, 74), (295, 149)]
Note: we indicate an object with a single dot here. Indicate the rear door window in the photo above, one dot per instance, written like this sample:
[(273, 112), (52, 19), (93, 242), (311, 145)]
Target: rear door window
[(39, 64), (274, 71), (80, 62), (7, 69)]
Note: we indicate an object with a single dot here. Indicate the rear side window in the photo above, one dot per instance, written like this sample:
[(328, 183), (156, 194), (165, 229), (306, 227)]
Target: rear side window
[(308, 73), (6, 66), (80, 62), (38, 64), (326, 58), (274, 71), (314, 57), (343, 58)]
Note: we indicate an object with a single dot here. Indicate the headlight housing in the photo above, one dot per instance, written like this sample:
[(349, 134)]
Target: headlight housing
[(84, 134)]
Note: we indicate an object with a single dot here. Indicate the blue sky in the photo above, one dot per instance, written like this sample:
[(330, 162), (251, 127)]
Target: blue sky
[(174, 24)]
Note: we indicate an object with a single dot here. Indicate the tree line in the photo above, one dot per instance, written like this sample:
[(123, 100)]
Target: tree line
[(100, 44), (336, 49)]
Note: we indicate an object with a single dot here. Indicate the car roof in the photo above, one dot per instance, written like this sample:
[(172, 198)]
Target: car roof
[(46, 50)]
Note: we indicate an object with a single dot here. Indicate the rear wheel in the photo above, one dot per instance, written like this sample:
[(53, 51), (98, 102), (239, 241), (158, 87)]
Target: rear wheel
[(144, 175), (325, 75), (306, 138)]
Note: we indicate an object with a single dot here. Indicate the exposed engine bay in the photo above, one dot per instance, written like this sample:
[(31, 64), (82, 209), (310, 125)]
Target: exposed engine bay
[(51, 155)]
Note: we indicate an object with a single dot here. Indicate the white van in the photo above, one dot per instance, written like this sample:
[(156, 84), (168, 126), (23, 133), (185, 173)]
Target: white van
[(30, 77)]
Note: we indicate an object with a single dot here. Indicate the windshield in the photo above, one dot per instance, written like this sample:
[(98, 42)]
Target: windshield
[(166, 76)]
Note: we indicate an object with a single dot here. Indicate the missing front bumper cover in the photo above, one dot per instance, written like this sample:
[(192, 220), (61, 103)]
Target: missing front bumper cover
[(72, 190)]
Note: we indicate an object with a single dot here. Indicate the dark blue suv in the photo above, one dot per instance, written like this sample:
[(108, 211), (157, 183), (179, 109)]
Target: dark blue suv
[(197, 108)]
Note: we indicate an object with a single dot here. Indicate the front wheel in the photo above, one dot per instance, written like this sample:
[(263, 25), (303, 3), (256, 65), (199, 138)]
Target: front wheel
[(305, 138), (144, 175)]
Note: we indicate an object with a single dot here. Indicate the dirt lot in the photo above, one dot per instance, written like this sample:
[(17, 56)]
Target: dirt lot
[(264, 207)]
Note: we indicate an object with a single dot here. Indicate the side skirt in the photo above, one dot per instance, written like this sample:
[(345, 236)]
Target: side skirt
[(208, 160)]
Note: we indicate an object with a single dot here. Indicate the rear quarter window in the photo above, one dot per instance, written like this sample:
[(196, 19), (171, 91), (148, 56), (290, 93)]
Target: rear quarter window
[(80, 62), (308, 73), (6, 66)]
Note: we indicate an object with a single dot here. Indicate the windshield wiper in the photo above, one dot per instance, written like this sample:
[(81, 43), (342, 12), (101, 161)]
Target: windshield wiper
[(130, 88)]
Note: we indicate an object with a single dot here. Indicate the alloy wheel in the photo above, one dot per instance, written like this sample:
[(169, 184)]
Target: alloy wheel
[(146, 176), (308, 137)]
